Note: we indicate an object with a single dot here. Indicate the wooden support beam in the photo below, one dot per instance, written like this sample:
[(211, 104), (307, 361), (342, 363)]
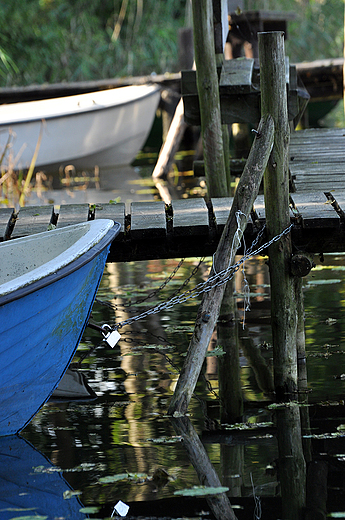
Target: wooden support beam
[(210, 306), (207, 82), (276, 190)]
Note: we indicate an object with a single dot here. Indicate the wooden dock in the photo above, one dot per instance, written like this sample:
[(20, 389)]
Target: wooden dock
[(192, 227)]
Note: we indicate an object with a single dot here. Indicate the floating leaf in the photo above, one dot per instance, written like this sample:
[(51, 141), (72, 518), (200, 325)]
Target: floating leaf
[(323, 282), (166, 440), (69, 493), (197, 491), (247, 426), (180, 328), (109, 479), (89, 509), (29, 517)]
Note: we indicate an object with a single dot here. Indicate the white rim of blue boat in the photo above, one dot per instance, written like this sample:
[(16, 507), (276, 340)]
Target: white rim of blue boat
[(98, 235)]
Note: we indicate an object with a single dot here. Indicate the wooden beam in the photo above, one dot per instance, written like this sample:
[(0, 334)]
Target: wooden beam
[(276, 189), (208, 312)]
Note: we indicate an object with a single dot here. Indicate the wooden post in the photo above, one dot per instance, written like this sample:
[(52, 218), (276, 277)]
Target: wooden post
[(208, 313), (171, 144), (208, 90), (276, 190)]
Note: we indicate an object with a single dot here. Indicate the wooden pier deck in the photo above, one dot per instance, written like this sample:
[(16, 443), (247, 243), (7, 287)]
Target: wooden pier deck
[(192, 227)]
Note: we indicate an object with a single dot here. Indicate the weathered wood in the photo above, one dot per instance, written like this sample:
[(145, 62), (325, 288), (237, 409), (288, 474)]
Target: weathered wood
[(192, 220), (114, 212), (207, 82), (240, 103), (306, 205), (209, 309), (32, 219), (236, 76), (5, 218), (318, 227), (148, 220), (276, 189), (72, 214), (171, 144)]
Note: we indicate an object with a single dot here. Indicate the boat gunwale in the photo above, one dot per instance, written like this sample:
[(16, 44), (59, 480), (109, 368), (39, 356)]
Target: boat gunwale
[(81, 111), (66, 270)]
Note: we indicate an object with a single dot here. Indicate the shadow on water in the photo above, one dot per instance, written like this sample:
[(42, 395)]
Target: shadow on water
[(283, 462)]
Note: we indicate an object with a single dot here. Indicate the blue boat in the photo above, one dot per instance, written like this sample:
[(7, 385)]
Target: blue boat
[(31, 486), (48, 283)]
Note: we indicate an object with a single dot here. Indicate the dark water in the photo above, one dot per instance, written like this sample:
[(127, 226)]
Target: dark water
[(121, 446)]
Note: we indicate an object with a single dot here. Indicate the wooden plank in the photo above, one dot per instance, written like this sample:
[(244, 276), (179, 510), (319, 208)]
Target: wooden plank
[(5, 217), (148, 220), (72, 214), (236, 76), (115, 212), (339, 196), (221, 210), (259, 207), (315, 209), (190, 217), (32, 219)]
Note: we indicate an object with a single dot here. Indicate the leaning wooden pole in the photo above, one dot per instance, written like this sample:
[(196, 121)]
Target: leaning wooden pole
[(276, 190), (208, 313), (208, 91)]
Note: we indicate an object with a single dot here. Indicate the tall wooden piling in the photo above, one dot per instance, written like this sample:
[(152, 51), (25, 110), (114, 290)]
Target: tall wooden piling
[(276, 190), (208, 91)]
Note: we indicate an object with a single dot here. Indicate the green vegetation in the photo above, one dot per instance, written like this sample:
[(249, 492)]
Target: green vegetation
[(74, 40)]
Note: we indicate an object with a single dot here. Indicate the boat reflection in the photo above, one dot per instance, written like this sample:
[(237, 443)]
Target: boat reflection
[(31, 485)]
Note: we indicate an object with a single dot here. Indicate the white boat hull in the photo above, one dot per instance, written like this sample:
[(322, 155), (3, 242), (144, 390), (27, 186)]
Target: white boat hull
[(101, 129)]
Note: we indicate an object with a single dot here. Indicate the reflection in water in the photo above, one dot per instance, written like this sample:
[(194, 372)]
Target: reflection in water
[(125, 429), (30, 485), (219, 503)]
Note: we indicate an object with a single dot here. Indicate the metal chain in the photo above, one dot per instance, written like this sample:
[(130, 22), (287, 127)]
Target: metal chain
[(160, 288), (213, 281)]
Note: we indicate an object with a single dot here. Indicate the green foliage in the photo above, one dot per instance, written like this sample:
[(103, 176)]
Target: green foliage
[(66, 40), (316, 33), (74, 40)]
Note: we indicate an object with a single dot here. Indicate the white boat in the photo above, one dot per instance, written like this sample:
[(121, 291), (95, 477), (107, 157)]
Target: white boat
[(103, 129)]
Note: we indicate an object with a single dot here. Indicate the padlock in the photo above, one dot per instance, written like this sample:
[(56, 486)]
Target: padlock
[(111, 337)]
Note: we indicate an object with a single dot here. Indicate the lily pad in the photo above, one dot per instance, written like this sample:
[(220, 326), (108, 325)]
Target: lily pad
[(89, 509), (197, 491), (109, 479)]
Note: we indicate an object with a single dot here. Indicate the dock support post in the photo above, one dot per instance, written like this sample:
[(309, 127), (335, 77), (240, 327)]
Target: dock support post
[(276, 191), (208, 313), (208, 90)]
